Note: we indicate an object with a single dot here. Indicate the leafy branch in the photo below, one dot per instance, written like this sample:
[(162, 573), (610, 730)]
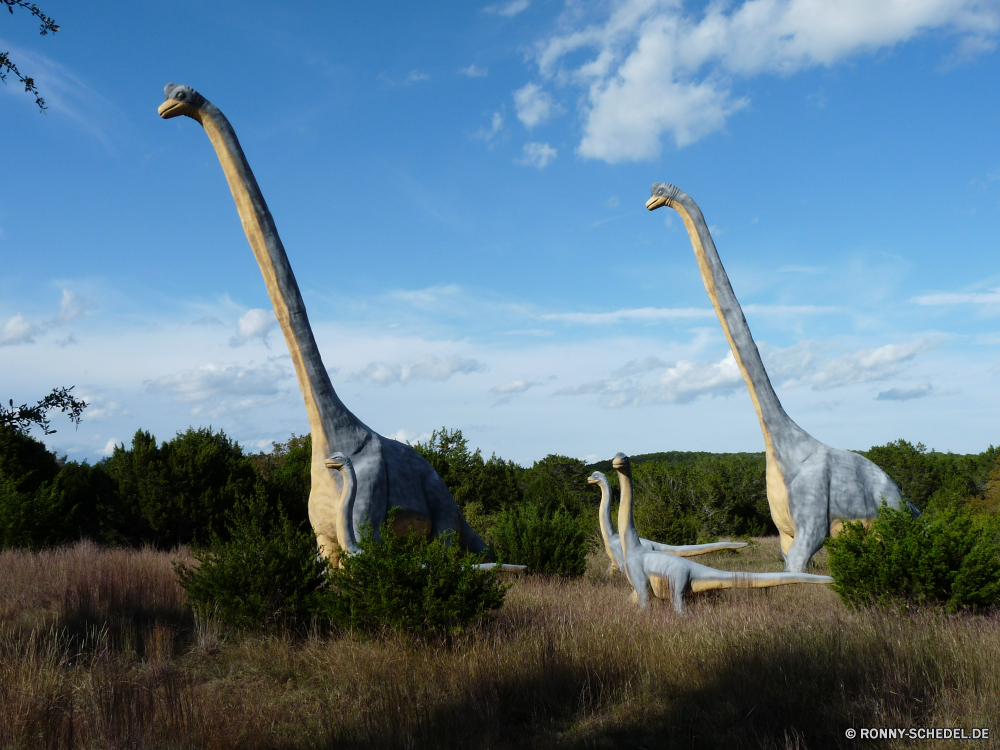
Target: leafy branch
[(47, 25), (22, 417)]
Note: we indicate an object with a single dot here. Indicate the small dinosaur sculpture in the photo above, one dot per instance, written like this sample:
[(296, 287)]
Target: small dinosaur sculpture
[(613, 543), (389, 474), (669, 576), (811, 488)]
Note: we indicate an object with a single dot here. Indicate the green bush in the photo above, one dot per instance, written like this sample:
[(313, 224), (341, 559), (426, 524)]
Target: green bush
[(427, 588), (944, 558), (547, 541), (266, 576)]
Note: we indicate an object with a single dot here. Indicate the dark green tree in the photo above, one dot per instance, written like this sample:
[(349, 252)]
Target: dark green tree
[(420, 587), (548, 540), (180, 491), (44, 500), (264, 576), (286, 474), (943, 558), (7, 66)]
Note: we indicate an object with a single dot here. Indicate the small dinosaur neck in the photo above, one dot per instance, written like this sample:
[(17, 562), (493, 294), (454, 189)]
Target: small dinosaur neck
[(608, 532), (774, 422), (333, 426), (626, 522)]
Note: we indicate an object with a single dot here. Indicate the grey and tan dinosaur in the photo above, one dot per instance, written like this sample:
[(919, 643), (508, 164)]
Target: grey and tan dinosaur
[(613, 543), (389, 474), (670, 576), (811, 488)]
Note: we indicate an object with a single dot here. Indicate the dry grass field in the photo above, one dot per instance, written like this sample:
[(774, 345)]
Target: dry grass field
[(99, 650)]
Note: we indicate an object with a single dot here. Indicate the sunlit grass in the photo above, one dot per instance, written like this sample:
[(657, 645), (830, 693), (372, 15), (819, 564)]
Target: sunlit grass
[(99, 650)]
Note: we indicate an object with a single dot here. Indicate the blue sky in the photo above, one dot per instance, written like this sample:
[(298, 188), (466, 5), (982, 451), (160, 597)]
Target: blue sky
[(460, 189)]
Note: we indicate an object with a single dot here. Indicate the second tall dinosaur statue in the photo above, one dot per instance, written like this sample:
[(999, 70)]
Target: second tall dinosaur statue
[(811, 488), (389, 474)]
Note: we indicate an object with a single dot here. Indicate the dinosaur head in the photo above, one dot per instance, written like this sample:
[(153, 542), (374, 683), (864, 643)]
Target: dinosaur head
[(663, 195), (180, 100), (336, 461), (595, 478), (620, 461)]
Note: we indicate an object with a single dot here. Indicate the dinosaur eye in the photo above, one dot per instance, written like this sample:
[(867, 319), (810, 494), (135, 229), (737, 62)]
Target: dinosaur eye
[(180, 95), (660, 191)]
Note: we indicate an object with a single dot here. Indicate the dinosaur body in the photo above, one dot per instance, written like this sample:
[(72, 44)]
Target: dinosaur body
[(811, 488), (670, 576), (613, 543), (389, 474)]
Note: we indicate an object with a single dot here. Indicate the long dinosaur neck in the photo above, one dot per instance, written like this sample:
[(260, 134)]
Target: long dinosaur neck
[(333, 426), (626, 523), (772, 416)]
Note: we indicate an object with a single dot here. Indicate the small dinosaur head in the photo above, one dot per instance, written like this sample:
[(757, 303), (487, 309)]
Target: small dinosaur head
[(663, 194), (180, 100), (620, 461), (336, 461), (595, 478)]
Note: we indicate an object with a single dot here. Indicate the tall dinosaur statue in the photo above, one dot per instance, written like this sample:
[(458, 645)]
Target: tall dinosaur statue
[(811, 488), (389, 474), (671, 576), (613, 544)]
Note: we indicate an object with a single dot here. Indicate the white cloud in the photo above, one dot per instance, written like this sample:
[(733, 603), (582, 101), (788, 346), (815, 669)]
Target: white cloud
[(643, 314), (109, 447), (537, 155), (678, 383), (650, 67), (801, 365), (415, 75), (405, 436), (514, 386), (656, 381), (507, 10), (533, 105), (429, 368), (222, 384), (612, 202), (967, 298), (496, 125), (17, 330), (253, 324), (507, 391), (474, 71), (895, 394), (70, 308)]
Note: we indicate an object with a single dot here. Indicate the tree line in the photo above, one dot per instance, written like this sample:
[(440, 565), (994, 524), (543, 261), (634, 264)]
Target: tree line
[(179, 491)]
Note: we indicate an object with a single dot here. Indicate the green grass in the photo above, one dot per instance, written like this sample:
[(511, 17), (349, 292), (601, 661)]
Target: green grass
[(98, 649)]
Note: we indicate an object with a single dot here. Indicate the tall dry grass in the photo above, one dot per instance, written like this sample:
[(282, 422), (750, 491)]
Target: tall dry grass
[(563, 664)]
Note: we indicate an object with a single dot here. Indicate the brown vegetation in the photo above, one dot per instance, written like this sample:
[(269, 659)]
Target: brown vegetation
[(99, 650)]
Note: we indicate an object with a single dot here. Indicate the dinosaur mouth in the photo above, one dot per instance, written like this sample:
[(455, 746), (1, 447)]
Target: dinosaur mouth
[(655, 202), (171, 108)]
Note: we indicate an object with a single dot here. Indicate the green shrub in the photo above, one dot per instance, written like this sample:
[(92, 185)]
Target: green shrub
[(546, 540), (943, 558), (427, 588), (267, 575)]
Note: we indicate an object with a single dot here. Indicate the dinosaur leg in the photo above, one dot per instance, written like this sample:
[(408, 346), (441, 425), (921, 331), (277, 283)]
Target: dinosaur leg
[(678, 584), (807, 543)]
